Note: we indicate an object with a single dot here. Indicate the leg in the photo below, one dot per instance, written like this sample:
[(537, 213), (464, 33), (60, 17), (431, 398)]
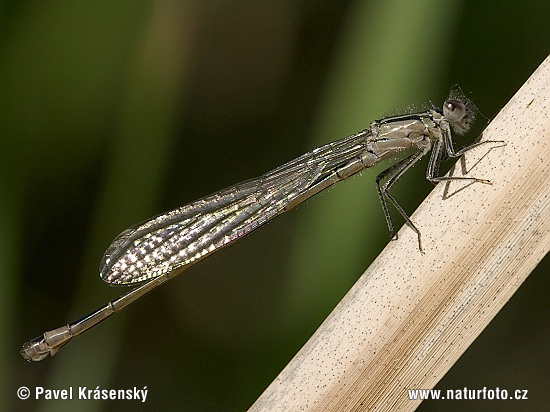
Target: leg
[(451, 152), (446, 146), (395, 172)]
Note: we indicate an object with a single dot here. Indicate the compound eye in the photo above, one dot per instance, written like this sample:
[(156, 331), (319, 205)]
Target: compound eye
[(458, 115), (454, 111)]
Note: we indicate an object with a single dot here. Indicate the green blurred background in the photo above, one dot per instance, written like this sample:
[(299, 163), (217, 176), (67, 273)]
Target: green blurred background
[(112, 112)]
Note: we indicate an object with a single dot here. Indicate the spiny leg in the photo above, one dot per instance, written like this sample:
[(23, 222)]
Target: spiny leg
[(445, 146), (395, 172)]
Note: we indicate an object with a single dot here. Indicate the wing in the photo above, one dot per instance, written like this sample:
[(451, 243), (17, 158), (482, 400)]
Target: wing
[(186, 235)]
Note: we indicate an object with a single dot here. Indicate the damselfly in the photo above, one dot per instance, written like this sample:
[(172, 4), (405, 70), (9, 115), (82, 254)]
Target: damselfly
[(156, 250)]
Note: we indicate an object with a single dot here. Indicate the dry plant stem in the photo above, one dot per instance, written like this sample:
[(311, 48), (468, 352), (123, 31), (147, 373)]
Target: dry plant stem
[(411, 316)]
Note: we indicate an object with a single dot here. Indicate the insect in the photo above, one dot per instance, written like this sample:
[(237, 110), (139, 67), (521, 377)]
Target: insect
[(154, 251)]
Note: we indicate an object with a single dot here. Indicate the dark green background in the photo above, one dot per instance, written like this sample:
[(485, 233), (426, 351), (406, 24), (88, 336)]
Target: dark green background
[(114, 111)]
